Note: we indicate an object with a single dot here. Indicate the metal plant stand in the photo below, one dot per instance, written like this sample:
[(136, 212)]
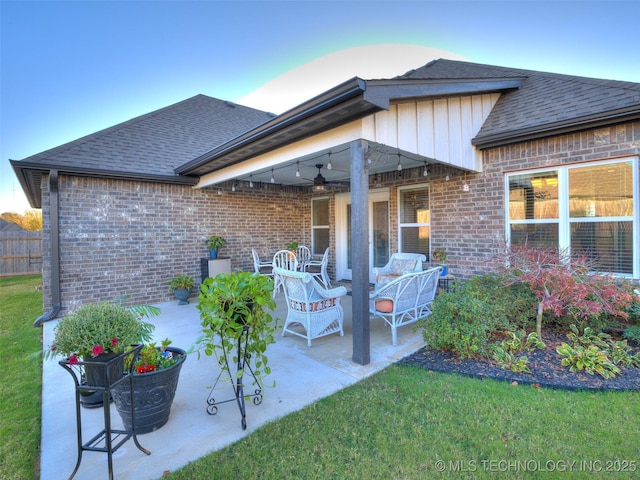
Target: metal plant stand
[(108, 440), (242, 365)]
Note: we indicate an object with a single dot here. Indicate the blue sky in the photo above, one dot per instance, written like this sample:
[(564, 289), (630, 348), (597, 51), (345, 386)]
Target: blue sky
[(71, 68)]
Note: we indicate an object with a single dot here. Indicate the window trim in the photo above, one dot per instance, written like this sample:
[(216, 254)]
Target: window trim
[(417, 186), (320, 227), (564, 219)]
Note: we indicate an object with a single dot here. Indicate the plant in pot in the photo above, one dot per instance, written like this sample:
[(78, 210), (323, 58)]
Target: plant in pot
[(156, 371), (237, 328), (293, 246), (98, 334), (181, 286), (215, 243), (440, 256)]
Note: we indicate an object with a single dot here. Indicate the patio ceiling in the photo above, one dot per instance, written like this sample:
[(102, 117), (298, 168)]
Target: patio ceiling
[(336, 168)]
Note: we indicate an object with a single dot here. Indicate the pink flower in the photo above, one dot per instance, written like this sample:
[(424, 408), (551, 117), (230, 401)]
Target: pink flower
[(114, 342), (73, 360), (97, 350)]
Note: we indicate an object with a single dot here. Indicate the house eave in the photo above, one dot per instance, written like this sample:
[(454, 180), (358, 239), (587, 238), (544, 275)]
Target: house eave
[(30, 174), (537, 132)]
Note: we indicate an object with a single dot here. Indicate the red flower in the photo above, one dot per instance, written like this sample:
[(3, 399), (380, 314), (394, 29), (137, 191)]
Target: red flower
[(141, 369), (114, 342), (73, 360), (151, 368), (97, 350)]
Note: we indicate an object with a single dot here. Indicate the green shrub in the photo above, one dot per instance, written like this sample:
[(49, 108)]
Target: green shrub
[(508, 354), (632, 333), (464, 319)]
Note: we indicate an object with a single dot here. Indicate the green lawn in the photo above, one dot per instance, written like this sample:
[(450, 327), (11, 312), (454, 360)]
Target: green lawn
[(21, 374), (409, 423)]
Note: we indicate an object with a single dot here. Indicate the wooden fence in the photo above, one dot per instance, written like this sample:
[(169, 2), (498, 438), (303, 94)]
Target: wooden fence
[(20, 253)]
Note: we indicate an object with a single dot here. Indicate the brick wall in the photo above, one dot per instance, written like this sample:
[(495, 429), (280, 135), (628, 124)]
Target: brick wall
[(128, 238)]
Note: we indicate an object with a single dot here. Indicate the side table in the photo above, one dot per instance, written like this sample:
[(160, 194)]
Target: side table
[(444, 282)]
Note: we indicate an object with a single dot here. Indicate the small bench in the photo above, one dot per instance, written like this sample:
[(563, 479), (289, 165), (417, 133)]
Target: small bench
[(406, 299)]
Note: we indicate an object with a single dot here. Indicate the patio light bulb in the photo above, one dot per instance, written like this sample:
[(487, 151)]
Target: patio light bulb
[(447, 177), (399, 164), (233, 188), (297, 169), (425, 173), (273, 180), (219, 191), (250, 181), (329, 166)]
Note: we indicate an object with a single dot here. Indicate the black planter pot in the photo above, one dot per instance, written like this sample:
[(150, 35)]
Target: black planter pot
[(153, 396)]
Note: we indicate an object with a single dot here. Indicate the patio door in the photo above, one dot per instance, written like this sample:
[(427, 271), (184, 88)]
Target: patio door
[(378, 233)]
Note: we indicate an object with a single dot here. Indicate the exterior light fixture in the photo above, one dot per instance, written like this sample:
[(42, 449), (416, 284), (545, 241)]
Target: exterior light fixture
[(329, 166), (298, 169), (273, 180), (425, 172), (399, 164)]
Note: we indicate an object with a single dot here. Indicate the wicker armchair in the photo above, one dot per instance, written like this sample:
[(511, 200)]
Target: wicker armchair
[(313, 311), (399, 264)]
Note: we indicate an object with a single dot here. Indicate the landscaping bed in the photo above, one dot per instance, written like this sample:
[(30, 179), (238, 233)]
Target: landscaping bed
[(545, 366)]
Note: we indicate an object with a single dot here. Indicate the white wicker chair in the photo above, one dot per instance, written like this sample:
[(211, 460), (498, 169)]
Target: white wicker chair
[(406, 299), (303, 255), (312, 311), (399, 264), (318, 269), (264, 268), (284, 259)]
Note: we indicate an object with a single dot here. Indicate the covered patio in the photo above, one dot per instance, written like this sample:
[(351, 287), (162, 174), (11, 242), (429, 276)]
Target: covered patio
[(302, 375)]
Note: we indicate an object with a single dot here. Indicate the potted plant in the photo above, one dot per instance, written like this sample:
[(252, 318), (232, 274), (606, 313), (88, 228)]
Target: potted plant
[(100, 333), (440, 256), (293, 246), (156, 371), (181, 286), (237, 327), (215, 243)]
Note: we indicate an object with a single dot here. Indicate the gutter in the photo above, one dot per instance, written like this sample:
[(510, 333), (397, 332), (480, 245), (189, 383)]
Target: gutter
[(56, 304)]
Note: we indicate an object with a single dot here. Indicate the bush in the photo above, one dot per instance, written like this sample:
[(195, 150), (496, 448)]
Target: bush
[(464, 319)]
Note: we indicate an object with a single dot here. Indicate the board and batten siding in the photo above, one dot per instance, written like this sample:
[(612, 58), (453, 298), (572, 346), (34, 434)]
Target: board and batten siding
[(440, 129)]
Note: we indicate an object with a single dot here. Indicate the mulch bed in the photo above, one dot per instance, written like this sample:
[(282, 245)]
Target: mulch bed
[(545, 366)]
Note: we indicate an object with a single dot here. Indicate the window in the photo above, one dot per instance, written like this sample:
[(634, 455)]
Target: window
[(319, 225), (590, 209), (415, 220)]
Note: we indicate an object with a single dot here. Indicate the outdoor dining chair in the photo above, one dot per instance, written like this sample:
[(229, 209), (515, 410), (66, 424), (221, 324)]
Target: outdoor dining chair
[(262, 267), (318, 269), (286, 260)]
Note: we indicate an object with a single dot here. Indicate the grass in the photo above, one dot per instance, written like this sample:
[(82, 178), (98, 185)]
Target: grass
[(409, 423), (21, 386), (403, 423)]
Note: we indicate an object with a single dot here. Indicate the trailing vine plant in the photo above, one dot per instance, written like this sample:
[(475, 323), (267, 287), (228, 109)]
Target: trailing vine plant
[(232, 305)]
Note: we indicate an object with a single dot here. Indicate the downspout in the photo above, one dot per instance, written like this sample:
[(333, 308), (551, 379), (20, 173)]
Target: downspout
[(55, 251)]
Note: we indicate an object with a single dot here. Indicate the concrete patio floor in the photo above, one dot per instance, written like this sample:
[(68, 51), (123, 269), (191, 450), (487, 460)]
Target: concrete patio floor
[(302, 375)]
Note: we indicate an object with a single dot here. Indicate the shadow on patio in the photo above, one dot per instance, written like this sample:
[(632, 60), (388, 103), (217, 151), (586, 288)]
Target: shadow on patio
[(302, 375)]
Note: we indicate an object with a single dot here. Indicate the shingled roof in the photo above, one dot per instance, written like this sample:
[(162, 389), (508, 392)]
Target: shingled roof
[(148, 147), (545, 102)]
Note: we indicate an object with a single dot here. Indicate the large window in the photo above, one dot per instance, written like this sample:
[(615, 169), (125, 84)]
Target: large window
[(415, 220), (319, 225), (591, 209)]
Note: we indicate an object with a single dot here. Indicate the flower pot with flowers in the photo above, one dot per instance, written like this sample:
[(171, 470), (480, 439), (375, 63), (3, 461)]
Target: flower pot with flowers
[(156, 371), (98, 334)]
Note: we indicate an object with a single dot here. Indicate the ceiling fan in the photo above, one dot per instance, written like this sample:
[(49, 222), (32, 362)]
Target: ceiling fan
[(320, 183)]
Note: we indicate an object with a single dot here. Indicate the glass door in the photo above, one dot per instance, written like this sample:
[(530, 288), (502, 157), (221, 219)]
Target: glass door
[(378, 233)]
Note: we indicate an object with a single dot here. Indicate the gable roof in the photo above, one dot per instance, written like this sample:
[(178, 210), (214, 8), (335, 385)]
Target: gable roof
[(532, 104), (145, 148), (545, 103)]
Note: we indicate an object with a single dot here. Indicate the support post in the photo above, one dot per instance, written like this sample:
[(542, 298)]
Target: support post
[(360, 251)]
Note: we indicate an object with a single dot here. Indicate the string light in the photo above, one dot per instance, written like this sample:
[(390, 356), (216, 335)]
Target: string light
[(447, 177), (298, 169), (399, 164), (219, 191), (273, 180), (233, 188), (329, 166), (250, 181), (425, 172)]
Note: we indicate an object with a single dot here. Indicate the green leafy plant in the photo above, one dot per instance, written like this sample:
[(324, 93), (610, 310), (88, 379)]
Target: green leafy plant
[(596, 353), (465, 318), (509, 353), (293, 246), (440, 255), (632, 333), (101, 328), (181, 282), (215, 242), (232, 305)]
